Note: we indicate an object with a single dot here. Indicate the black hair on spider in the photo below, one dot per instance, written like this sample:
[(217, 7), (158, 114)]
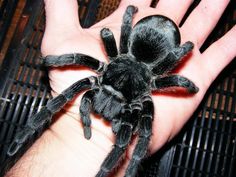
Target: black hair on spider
[(121, 93)]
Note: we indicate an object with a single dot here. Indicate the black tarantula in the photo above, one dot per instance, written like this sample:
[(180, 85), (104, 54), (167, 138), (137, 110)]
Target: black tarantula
[(121, 92)]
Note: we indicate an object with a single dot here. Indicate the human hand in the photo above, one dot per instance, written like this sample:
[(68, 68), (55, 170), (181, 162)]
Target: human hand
[(64, 35)]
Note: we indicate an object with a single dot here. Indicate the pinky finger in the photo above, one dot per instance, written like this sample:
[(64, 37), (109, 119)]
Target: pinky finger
[(220, 54)]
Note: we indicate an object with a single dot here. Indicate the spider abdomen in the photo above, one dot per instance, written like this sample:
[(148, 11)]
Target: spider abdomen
[(153, 38)]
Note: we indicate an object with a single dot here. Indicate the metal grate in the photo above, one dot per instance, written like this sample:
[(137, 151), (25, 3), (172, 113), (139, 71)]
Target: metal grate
[(106, 8), (7, 9), (22, 89), (209, 148), (21, 93)]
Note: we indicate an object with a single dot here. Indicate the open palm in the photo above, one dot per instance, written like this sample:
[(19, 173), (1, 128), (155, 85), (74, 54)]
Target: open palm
[(64, 35)]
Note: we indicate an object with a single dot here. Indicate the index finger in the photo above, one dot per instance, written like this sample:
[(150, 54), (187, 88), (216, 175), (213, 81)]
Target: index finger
[(61, 15)]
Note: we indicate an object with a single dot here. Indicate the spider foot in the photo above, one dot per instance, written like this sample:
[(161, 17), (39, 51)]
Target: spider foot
[(116, 125), (183, 50), (109, 42), (87, 132), (139, 153), (102, 173), (110, 161), (175, 81), (85, 109), (20, 139), (132, 9), (188, 45)]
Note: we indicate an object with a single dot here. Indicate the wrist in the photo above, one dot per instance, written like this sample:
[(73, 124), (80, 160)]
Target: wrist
[(63, 151)]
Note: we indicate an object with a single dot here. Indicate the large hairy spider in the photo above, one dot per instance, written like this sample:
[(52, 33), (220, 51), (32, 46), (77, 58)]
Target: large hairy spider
[(121, 93)]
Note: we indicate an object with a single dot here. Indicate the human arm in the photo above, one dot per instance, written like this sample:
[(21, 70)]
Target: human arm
[(166, 124)]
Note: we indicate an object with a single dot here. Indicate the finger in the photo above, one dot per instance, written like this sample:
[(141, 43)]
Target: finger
[(213, 60), (173, 9), (118, 13), (203, 19), (138, 3), (61, 15), (219, 54), (116, 16)]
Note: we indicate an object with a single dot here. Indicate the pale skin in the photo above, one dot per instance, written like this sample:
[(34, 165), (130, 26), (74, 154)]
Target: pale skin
[(62, 150)]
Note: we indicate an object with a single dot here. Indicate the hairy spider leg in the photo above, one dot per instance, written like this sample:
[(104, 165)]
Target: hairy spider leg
[(74, 59), (85, 109), (172, 59), (109, 39), (109, 43), (144, 134), (174, 81), (44, 116), (136, 107), (115, 124), (126, 28), (123, 138)]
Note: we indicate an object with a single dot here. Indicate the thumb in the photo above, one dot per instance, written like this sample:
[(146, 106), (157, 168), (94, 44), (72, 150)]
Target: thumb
[(62, 23), (61, 14)]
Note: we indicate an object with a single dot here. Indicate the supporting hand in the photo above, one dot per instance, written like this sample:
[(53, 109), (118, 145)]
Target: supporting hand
[(62, 150)]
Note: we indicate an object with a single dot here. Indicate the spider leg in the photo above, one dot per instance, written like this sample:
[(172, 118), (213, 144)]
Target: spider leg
[(126, 28), (74, 59), (44, 116), (116, 123), (85, 109), (123, 138), (145, 132), (109, 42), (174, 81), (136, 108), (172, 58)]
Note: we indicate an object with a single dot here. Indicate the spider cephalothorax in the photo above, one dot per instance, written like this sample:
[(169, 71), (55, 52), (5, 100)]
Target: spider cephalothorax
[(121, 93)]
